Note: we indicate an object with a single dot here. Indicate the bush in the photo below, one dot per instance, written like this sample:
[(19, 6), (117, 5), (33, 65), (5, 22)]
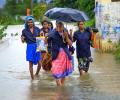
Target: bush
[(117, 52), (2, 34), (90, 23), (39, 11), (9, 20)]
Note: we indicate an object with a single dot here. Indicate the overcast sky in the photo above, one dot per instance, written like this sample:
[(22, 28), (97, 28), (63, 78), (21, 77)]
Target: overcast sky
[(2, 2)]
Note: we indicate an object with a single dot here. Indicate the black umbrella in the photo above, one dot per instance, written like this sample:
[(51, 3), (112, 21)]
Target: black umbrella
[(66, 15)]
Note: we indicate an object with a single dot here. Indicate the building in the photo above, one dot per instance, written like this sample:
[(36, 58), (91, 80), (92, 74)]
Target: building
[(108, 18)]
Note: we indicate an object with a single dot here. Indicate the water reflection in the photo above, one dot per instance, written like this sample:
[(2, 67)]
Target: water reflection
[(42, 92), (74, 89)]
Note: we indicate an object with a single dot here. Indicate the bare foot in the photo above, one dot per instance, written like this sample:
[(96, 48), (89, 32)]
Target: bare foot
[(59, 83), (82, 72), (36, 76), (32, 77)]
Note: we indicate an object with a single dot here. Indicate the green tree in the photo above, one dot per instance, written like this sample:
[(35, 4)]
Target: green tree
[(39, 10), (2, 34), (64, 3), (87, 6), (14, 8)]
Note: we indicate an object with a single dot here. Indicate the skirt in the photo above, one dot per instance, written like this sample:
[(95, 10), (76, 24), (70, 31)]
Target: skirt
[(31, 53), (61, 66)]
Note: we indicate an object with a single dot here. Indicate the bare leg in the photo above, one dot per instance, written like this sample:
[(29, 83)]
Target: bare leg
[(82, 72), (63, 80), (31, 70), (58, 81), (38, 68)]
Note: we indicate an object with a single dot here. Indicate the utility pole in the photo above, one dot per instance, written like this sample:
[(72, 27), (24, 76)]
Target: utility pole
[(31, 6)]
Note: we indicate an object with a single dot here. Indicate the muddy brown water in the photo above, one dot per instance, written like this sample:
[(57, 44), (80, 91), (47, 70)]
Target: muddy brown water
[(101, 83)]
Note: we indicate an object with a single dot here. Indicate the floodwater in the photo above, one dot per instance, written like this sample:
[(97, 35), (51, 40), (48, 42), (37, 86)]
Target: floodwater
[(101, 83)]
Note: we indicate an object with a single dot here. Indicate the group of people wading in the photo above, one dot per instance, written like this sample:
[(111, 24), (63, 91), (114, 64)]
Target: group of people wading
[(58, 47)]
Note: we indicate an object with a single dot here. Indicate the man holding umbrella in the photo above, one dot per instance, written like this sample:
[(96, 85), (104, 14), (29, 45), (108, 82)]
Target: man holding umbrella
[(82, 36)]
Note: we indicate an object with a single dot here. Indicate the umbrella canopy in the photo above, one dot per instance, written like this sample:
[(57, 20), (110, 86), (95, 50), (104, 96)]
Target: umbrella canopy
[(66, 15)]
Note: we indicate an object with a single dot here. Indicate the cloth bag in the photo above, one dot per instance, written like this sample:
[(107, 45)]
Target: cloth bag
[(47, 62)]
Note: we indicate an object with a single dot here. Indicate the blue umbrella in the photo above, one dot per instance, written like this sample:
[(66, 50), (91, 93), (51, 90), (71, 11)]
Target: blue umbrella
[(66, 15)]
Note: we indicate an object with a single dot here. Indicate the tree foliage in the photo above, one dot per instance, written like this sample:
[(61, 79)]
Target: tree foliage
[(87, 6), (18, 8), (39, 11), (2, 34), (64, 3)]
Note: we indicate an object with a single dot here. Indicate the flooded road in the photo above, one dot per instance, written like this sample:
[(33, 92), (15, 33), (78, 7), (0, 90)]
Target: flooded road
[(102, 82)]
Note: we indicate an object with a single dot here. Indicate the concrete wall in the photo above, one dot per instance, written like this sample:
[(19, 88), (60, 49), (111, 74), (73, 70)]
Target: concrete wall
[(104, 1), (108, 18)]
